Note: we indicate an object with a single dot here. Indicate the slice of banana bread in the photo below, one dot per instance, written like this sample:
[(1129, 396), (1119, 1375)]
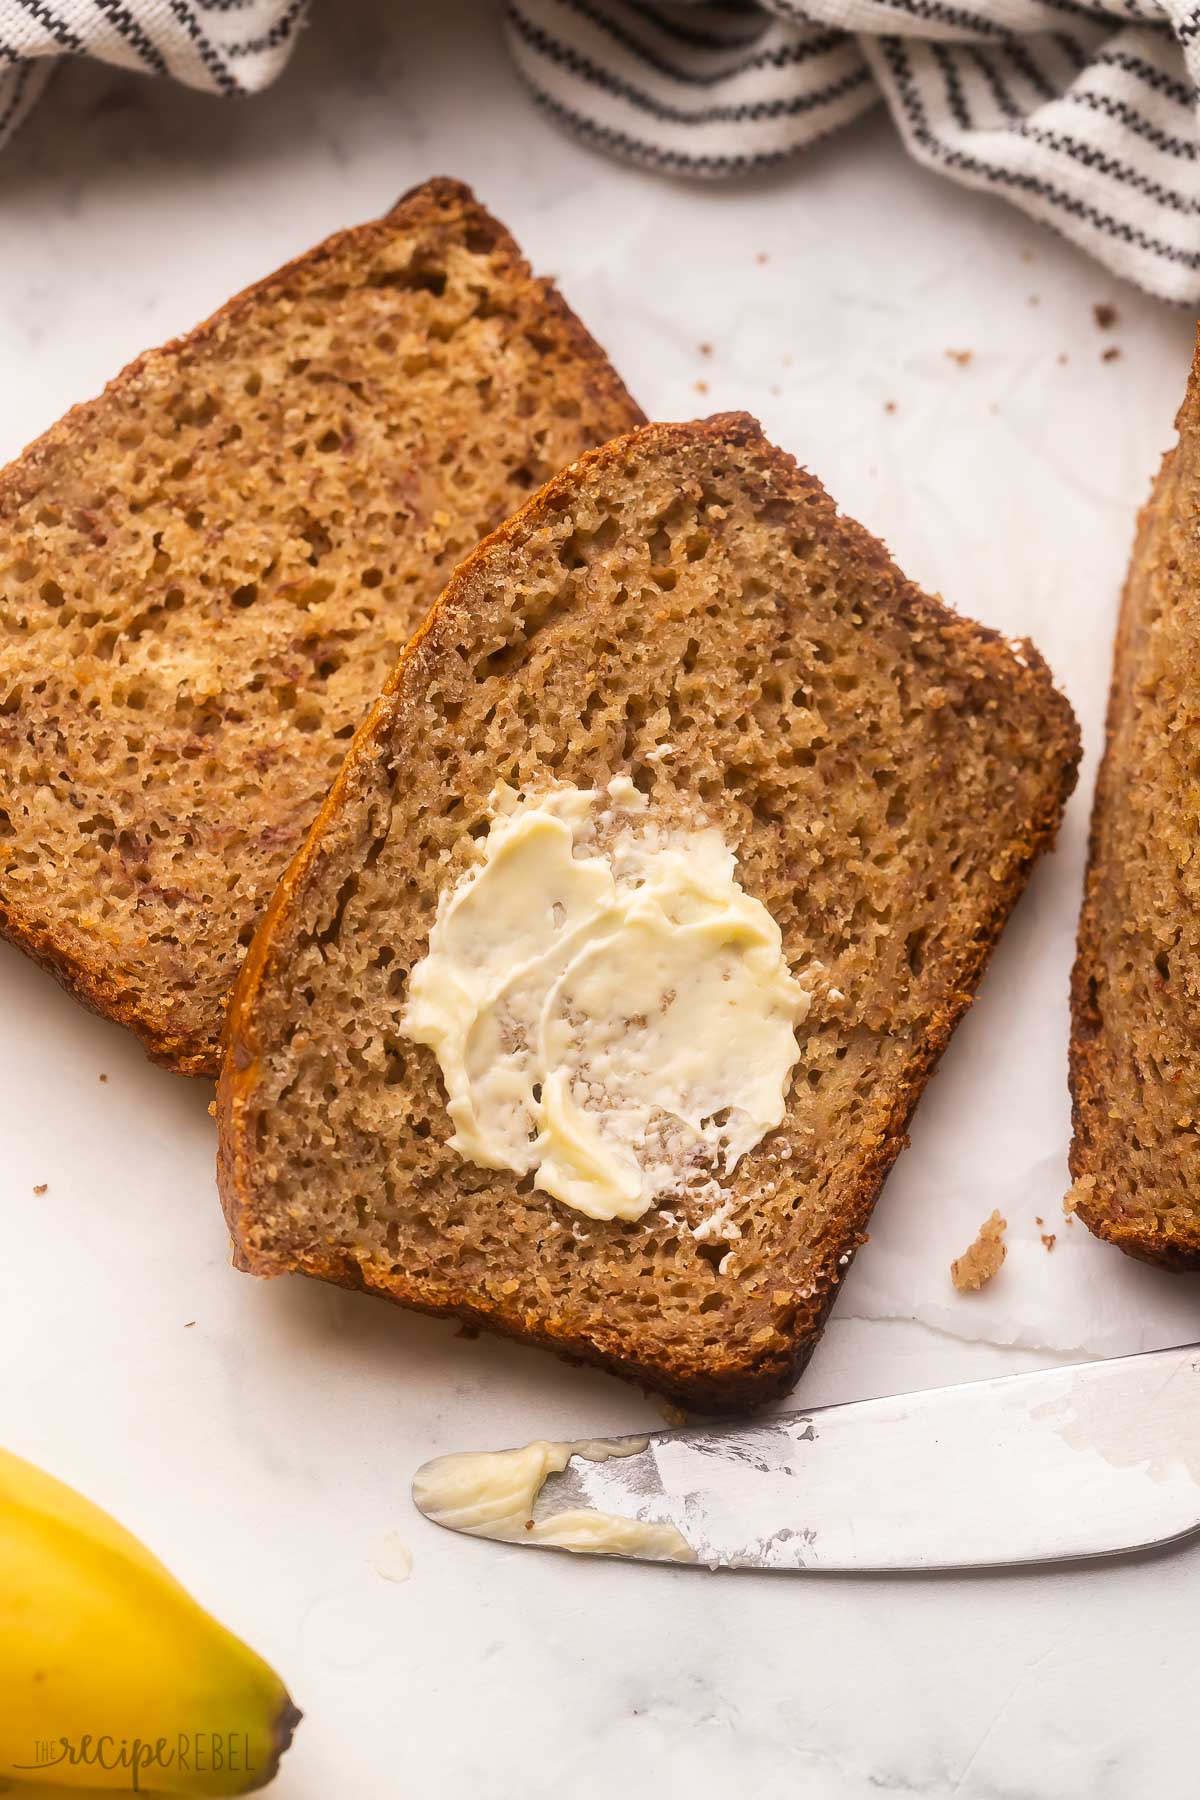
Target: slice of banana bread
[(207, 573), (684, 608), (1135, 992)]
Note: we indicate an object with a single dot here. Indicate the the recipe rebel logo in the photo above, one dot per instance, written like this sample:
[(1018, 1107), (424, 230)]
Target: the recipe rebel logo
[(190, 1752)]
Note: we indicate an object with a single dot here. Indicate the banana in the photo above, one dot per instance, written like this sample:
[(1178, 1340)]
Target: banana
[(112, 1678)]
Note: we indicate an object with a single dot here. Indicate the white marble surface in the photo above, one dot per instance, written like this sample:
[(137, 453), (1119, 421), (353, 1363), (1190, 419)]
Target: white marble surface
[(261, 1437)]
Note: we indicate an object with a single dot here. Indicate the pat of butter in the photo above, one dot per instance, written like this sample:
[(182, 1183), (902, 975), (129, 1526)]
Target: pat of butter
[(491, 1494), (612, 1013)]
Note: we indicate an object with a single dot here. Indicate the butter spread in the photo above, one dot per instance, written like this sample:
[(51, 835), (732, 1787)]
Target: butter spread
[(612, 1013), (393, 1559), (491, 1494)]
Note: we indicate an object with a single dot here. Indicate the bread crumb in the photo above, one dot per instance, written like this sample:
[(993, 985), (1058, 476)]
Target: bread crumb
[(188, 1323), (761, 257), (889, 406), (212, 1109), (1037, 1220), (41, 1187), (1049, 1240), (1105, 315), (1063, 358), (961, 357), (775, 390), (701, 387), (1077, 1193), (706, 349), (977, 1265), (674, 1415), (1111, 354)]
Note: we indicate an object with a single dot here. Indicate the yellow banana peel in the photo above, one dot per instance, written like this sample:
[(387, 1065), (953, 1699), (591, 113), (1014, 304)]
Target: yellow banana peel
[(112, 1678)]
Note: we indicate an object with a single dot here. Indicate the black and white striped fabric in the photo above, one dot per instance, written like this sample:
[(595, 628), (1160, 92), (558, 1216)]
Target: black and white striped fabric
[(1084, 113), (226, 46)]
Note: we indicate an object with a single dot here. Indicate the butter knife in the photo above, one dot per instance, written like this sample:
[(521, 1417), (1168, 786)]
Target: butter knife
[(1084, 1461)]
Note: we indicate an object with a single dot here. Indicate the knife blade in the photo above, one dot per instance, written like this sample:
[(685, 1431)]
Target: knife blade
[(1085, 1461)]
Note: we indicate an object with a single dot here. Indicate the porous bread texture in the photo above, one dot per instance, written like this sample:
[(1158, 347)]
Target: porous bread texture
[(885, 773), (1135, 992), (207, 574)]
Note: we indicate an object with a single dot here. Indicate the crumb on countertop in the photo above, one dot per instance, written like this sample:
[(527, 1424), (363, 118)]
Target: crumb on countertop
[(1111, 354), (706, 349), (1105, 315), (1063, 358), (41, 1187), (961, 357), (889, 406), (701, 387), (761, 257), (103, 1077), (674, 1415), (977, 1265), (1049, 1240)]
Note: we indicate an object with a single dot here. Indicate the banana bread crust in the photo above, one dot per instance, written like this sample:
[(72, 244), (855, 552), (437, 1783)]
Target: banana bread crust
[(1137, 971)]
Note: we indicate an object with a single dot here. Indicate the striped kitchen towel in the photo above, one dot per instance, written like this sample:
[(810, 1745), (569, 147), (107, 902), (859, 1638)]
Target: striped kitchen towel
[(1084, 113), (225, 46)]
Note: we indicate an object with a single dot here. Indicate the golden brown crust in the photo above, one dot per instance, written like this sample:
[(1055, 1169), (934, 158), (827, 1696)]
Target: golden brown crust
[(733, 1384), (99, 985), (1098, 1153), (93, 986)]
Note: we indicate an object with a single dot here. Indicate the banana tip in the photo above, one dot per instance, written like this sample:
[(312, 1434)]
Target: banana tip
[(286, 1721), (285, 1726)]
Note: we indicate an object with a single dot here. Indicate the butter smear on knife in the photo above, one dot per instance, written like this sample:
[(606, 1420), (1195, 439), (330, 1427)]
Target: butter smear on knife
[(491, 1494)]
